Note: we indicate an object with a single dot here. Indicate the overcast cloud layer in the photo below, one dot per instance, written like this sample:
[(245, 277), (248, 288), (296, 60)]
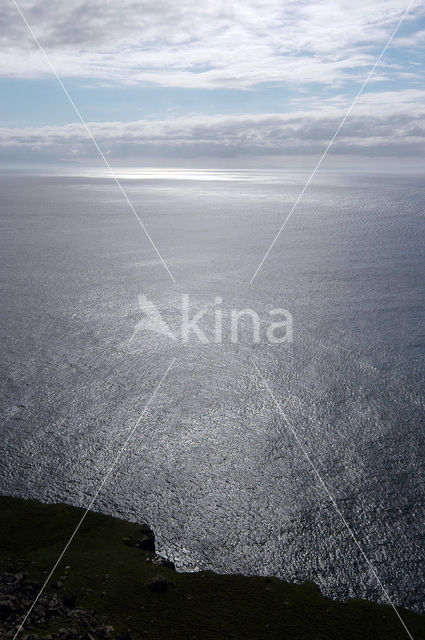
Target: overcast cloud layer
[(236, 43), (384, 124), (323, 48)]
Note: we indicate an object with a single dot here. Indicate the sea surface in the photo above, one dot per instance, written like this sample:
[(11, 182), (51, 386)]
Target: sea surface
[(213, 466)]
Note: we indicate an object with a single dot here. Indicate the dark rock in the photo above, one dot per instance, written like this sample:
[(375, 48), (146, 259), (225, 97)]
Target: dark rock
[(39, 610), (146, 542), (104, 632), (80, 614), (57, 585), (69, 600), (6, 608), (20, 576), (147, 538), (158, 584), (29, 588), (145, 529), (53, 612), (163, 562)]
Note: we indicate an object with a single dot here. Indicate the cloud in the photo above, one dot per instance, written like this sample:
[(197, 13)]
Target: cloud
[(389, 123), (217, 43)]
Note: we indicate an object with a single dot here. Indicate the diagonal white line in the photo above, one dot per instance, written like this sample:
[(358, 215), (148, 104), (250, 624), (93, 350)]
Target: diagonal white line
[(331, 141), (331, 498), (113, 175), (93, 500)]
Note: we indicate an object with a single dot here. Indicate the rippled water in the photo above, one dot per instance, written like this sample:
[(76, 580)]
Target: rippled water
[(212, 466)]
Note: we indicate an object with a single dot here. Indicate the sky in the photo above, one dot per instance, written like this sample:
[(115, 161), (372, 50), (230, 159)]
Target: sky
[(235, 83)]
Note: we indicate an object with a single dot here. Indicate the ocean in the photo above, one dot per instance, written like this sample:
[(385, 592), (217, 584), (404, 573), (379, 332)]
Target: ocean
[(213, 466)]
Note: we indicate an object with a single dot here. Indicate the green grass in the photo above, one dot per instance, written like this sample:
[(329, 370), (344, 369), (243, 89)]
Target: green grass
[(201, 606)]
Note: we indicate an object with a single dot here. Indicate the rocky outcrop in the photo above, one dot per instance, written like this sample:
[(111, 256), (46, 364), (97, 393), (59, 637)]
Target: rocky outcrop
[(17, 594), (158, 584)]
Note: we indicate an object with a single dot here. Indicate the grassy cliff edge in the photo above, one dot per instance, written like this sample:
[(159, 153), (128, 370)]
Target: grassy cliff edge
[(110, 568)]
